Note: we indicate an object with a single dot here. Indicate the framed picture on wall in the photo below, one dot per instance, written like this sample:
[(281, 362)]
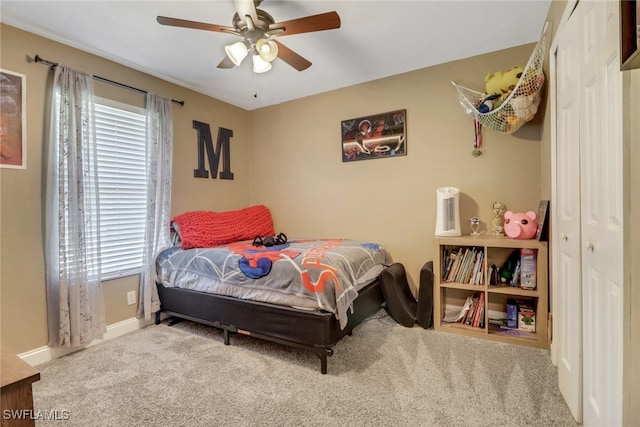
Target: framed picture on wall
[(13, 120), (374, 137)]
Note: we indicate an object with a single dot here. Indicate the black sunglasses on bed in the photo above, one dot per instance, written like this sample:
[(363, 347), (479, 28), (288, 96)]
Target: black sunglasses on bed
[(280, 239)]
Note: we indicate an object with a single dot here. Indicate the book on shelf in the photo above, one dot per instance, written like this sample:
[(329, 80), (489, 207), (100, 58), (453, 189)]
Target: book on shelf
[(515, 277), (452, 263), (543, 221), (455, 266), (476, 276), (479, 310), (449, 256), (472, 310), (464, 265), (471, 313), (473, 258), (460, 314)]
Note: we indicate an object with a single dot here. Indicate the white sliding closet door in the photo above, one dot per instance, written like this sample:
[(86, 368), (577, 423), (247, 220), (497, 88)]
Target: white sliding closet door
[(567, 288), (601, 208), (588, 240)]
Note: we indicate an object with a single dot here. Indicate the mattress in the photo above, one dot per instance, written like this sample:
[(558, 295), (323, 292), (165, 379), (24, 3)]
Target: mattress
[(320, 274)]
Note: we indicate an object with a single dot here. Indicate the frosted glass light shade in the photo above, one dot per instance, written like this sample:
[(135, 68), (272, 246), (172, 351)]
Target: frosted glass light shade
[(260, 65), (267, 49), (236, 52)]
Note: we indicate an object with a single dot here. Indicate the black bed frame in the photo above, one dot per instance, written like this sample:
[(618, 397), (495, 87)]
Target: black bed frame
[(317, 331)]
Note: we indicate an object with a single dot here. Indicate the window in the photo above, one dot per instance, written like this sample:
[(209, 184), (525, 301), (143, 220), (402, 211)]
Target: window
[(122, 188)]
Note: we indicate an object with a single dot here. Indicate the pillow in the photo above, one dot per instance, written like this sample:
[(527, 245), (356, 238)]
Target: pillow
[(202, 229)]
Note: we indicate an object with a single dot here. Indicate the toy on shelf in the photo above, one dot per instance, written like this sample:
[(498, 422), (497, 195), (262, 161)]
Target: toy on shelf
[(520, 225), (507, 112)]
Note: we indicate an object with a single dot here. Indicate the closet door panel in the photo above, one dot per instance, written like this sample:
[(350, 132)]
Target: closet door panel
[(601, 195), (566, 289)]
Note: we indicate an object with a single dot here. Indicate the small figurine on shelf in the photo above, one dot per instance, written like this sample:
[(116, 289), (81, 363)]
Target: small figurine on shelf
[(474, 223), (498, 210)]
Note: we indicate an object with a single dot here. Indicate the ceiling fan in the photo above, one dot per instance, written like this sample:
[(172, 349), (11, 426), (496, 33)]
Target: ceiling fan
[(258, 30)]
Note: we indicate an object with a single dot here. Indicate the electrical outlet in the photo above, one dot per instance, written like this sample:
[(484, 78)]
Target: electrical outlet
[(131, 297)]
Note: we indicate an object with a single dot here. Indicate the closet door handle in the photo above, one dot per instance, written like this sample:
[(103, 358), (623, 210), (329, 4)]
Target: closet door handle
[(590, 246), (565, 237)]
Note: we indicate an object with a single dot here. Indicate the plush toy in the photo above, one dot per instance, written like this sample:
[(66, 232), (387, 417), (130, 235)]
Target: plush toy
[(520, 225), (498, 86), (525, 106), (511, 123), (510, 267), (487, 103), (503, 82)]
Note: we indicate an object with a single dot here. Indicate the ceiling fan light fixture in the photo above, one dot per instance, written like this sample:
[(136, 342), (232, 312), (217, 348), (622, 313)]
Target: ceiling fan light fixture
[(260, 65), (267, 49), (236, 52)]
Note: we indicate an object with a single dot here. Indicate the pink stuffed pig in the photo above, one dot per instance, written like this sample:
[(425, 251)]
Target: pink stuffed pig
[(520, 225)]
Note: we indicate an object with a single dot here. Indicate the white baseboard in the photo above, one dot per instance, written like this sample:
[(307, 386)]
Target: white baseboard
[(44, 354)]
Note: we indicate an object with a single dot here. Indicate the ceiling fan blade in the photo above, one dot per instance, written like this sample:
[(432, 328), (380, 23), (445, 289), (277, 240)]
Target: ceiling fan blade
[(244, 8), (174, 22), (321, 22), (292, 58), (226, 63)]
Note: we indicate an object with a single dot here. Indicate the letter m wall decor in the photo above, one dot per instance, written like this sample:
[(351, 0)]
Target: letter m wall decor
[(205, 142)]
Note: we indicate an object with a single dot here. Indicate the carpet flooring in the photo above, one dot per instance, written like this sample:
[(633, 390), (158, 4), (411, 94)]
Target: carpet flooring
[(382, 375)]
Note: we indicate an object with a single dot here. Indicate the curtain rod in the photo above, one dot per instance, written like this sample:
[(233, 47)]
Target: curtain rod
[(53, 65)]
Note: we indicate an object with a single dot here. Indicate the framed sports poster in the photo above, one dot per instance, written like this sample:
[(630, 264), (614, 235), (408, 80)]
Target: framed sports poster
[(13, 120), (374, 137)]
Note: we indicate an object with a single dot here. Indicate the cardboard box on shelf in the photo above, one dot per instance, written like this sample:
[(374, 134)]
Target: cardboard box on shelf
[(526, 317), (528, 267), (512, 314)]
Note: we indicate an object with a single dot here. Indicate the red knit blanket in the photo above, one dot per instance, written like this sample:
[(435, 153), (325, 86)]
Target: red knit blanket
[(202, 229)]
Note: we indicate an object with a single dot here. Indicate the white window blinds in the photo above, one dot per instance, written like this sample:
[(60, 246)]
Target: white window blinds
[(122, 171)]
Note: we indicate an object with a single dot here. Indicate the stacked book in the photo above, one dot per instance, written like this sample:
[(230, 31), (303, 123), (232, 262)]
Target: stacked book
[(471, 313), (464, 265)]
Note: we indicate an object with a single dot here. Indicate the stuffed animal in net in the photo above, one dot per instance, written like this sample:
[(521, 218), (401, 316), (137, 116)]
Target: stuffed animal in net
[(498, 86), (525, 102), (525, 107)]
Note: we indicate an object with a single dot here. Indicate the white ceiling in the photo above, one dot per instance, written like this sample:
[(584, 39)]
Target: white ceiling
[(376, 39)]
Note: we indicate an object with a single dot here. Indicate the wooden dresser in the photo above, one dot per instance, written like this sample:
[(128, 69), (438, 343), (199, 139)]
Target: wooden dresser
[(16, 398)]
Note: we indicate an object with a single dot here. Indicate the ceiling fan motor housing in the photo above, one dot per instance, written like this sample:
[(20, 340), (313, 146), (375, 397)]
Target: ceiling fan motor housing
[(253, 31)]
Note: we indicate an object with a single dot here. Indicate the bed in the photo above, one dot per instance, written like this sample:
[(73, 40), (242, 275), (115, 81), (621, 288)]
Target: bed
[(305, 293)]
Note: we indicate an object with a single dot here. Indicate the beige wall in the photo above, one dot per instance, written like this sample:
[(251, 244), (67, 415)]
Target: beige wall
[(22, 290), (311, 192)]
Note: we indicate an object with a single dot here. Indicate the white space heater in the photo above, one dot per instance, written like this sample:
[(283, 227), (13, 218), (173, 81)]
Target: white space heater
[(448, 214)]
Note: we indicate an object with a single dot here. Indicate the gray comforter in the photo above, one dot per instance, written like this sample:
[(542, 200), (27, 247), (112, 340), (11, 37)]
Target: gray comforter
[(309, 274)]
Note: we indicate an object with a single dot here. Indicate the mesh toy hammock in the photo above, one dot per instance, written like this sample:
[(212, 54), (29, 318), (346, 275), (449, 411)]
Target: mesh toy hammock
[(521, 104)]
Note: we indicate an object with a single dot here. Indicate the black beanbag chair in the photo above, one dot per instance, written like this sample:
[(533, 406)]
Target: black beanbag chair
[(424, 316), (401, 304)]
